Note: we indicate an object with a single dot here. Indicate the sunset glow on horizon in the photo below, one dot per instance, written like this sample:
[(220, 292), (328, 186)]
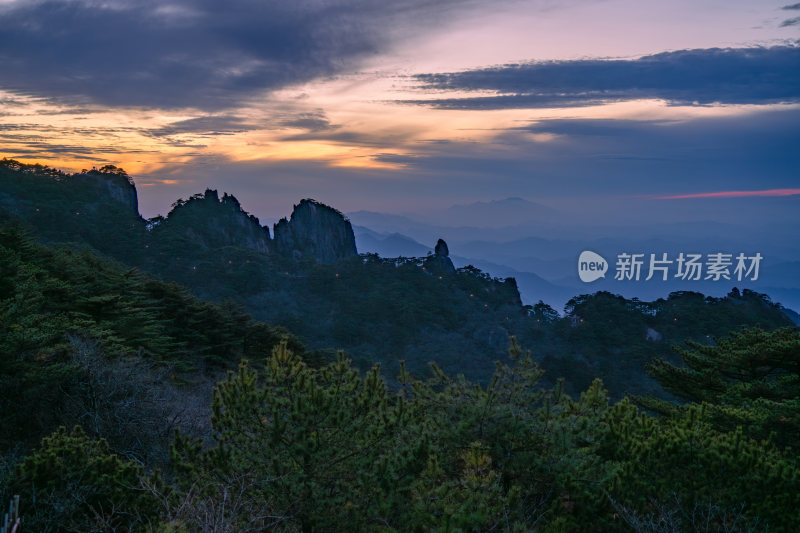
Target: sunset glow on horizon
[(733, 194), (486, 100)]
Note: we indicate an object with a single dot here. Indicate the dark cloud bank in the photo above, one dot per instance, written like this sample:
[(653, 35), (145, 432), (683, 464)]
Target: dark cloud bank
[(201, 53), (705, 76)]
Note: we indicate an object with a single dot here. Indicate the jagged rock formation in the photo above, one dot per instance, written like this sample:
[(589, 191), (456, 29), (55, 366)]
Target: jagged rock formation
[(315, 230), (440, 262), (101, 206), (510, 285), (210, 222), (441, 248)]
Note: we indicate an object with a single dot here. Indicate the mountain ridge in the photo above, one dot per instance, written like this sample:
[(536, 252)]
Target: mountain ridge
[(379, 310)]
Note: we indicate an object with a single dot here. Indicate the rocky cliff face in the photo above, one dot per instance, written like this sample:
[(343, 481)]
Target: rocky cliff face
[(115, 185), (315, 230), (210, 222), (97, 207), (440, 262), (29, 189)]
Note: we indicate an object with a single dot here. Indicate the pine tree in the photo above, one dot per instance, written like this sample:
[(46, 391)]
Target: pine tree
[(749, 380), (321, 448), (74, 483)]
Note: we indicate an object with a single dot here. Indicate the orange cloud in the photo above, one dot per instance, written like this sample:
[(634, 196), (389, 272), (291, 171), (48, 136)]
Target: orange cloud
[(732, 194)]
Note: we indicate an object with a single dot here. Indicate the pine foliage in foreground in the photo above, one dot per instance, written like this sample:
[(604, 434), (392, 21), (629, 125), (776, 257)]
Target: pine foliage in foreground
[(297, 448)]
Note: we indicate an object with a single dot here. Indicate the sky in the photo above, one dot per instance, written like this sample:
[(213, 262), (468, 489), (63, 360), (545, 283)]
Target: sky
[(624, 110)]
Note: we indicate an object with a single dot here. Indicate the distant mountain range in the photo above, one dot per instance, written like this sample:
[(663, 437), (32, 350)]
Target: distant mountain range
[(532, 287), (515, 237), (493, 214)]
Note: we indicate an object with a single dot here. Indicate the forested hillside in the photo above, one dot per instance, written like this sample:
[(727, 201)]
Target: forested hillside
[(308, 278), (80, 332), (139, 393), (295, 448)]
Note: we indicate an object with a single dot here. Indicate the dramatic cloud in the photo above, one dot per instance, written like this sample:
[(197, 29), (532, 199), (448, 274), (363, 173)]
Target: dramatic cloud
[(312, 121), (589, 163), (689, 77), (190, 53), (206, 125), (597, 158)]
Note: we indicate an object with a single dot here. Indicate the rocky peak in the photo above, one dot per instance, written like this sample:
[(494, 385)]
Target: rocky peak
[(441, 248), (440, 262), (211, 222), (316, 230)]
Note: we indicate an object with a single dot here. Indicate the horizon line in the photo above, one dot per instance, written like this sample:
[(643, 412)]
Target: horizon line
[(732, 194)]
